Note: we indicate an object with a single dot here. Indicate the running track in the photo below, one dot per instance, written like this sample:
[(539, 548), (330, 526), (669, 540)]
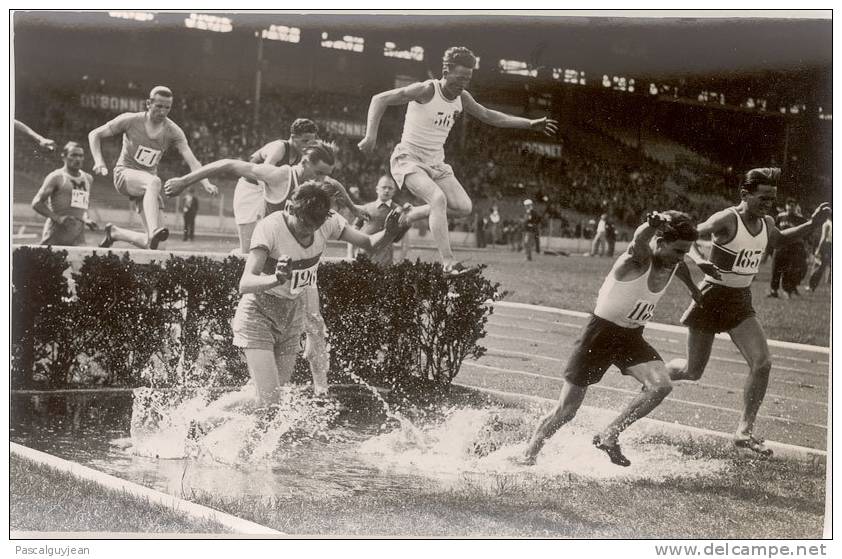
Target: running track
[(527, 348)]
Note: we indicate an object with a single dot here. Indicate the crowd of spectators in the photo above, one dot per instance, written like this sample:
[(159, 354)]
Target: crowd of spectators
[(492, 164)]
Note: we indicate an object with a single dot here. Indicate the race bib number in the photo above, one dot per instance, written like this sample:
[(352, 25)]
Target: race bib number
[(304, 278), (146, 156), (79, 198), (747, 261), (641, 312)]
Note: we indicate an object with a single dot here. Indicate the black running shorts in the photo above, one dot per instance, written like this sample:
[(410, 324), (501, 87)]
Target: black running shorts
[(602, 344), (723, 308)]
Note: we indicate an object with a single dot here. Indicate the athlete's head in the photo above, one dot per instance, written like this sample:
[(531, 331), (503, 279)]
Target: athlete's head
[(791, 206), (674, 238), (457, 69), (759, 190), (302, 133), (73, 155), (318, 160), (385, 188), (310, 205), (159, 103)]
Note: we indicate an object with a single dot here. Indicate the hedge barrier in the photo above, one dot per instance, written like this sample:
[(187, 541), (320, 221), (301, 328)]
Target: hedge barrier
[(120, 323)]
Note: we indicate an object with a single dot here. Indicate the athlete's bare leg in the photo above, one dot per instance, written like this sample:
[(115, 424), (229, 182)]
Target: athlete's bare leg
[(269, 372), (140, 240), (656, 386), (568, 404), (244, 231), (150, 212), (446, 196), (750, 339), (699, 346), (316, 351)]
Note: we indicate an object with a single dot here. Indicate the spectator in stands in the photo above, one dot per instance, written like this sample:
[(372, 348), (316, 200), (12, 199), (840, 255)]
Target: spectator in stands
[(610, 237), (789, 260), (531, 229), (189, 209), (599, 239), (377, 211), (494, 224), (479, 229)]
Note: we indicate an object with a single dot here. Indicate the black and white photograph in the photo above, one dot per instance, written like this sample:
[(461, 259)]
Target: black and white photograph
[(511, 275)]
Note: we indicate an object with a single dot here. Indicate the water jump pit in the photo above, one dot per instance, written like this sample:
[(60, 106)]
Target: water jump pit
[(186, 441)]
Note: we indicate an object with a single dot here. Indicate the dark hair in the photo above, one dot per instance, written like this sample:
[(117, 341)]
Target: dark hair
[(681, 227), (321, 151), (791, 200), (459, 56), (161, 90), (763, 175), (311, 202), (65, 151), (303, 126)]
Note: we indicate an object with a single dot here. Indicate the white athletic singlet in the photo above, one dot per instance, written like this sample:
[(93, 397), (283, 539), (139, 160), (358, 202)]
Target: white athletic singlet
[(629, 304), (427, 125), (272, 193), (273, 234), (738, 260), (72, 195), (140, 150)]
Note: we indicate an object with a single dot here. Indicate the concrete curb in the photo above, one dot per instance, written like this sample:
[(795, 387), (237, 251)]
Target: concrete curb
[(658, 326), (193, 510), (781, 450)]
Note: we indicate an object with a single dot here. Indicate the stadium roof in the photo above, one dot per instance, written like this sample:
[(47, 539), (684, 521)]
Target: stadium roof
[(647, 47)]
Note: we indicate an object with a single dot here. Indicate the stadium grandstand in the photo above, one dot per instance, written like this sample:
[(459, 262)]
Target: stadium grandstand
[(635, 134)]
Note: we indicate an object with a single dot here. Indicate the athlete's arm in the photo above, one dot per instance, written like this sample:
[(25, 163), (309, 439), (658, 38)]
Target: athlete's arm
[(110, 128), (682, 272), (375, 242), (42, 141), (503, 120), (39, 202), (341, 198), (420, 91), (254, 281), (822, 239), (778, 237), (253, 171), (187, 154)]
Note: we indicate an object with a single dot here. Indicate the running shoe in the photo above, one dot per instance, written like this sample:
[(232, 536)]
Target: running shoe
[(108, 240), (457, 269), (159, 236), (613, 451), (753, 444)]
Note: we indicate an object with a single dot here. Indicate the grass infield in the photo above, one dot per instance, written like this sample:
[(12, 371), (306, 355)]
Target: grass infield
[(43, 499)]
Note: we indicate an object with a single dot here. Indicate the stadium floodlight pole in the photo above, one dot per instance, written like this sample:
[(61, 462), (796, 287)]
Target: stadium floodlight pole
[(258, 79)]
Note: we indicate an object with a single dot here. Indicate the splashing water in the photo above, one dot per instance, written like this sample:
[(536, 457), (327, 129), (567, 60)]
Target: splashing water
[(177, 424), (411, 435), (484, 442)]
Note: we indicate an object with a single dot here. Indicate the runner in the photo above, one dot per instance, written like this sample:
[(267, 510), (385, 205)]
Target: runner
[(282, 265), (249, 206), (740, 235), (614, 333), (64, 198), (418, 160), (280, 183), (146, 136)]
